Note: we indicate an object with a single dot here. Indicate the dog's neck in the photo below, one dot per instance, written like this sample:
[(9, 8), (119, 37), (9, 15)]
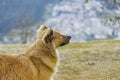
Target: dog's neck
[(42, 53)]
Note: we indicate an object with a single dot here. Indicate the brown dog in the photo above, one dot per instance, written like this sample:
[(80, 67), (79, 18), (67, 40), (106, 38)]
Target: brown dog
[(38, 61)]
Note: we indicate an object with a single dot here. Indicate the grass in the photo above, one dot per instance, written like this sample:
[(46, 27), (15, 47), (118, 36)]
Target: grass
[(96, 60)]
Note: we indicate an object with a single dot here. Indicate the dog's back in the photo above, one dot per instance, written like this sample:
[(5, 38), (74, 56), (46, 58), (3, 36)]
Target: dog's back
[(14, 68)]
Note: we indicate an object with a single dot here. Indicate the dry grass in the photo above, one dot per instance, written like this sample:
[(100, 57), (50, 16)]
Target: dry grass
[(97, 60)]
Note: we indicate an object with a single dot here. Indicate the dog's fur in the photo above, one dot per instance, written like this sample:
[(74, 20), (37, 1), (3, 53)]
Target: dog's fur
[(38, 61)]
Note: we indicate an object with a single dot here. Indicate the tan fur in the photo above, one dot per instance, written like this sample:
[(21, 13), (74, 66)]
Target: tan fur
[(37, 62)]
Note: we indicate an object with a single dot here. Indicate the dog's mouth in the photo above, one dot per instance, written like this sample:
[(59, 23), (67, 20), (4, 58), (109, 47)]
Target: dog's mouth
[(67, 40)]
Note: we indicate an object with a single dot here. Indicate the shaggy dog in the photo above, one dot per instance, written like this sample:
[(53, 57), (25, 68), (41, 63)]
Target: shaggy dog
[(38, 61)]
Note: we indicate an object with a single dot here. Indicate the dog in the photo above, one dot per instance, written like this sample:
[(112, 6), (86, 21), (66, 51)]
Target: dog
[(38, 62)]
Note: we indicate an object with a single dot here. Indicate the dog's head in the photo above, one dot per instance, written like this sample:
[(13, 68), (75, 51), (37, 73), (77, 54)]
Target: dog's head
[(51, 36)]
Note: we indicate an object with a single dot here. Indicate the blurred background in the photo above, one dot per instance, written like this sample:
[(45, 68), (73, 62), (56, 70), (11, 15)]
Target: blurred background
[(84, 20)]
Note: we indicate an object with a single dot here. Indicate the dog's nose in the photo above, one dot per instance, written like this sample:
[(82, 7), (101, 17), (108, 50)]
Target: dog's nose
[(69, 37)]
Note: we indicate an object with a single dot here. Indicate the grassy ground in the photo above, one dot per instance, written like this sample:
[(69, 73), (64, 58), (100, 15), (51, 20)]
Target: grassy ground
[(97, 60)]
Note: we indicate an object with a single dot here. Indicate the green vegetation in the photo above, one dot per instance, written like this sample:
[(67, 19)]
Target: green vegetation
[(96, 60)]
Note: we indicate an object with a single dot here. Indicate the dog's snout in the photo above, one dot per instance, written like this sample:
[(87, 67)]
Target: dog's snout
[(69, 37)]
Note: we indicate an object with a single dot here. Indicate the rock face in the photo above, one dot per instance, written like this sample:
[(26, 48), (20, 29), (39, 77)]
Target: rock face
[(84, 21)]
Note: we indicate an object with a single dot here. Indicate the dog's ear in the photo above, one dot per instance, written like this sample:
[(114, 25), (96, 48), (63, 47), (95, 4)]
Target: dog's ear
[(42, 27), (48, 36)]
